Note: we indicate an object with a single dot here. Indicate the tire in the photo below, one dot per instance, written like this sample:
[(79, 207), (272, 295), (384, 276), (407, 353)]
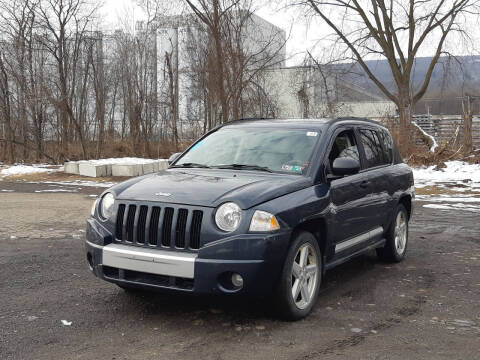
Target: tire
[(306, 279), (395, 248)]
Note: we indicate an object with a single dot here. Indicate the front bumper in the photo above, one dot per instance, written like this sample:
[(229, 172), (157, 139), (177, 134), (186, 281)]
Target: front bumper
[(258, 258)]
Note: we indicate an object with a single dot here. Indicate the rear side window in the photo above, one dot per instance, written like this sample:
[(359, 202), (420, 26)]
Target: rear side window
[(373, 148), (388, 145)]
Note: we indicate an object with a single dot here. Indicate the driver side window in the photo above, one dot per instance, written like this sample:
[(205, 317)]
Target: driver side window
[(344, 145)]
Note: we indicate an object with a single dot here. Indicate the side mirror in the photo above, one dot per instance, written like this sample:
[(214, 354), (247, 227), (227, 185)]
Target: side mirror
[(345, 166), (174, 157)]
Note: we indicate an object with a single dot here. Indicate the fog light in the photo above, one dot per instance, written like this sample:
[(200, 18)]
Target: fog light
[(237, 280)]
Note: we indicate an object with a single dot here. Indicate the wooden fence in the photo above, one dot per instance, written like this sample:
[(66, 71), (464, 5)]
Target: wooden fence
[(443, 129)]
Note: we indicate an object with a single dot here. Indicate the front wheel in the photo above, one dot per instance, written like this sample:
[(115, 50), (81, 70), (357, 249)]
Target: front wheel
[(301, 277), (397, 237)]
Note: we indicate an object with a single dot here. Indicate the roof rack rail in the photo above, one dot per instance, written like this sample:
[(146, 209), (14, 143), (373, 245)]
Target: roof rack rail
[(253, 118)]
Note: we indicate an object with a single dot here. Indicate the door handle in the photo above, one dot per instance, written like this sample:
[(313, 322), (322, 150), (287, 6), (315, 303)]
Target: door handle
[(364, 184)]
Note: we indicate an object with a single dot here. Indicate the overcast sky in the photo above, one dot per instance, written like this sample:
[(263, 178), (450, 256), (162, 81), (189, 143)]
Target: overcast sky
[(303, 34)]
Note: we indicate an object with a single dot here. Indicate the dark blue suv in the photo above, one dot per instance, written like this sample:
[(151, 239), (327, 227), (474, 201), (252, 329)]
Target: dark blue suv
[(258, 207)]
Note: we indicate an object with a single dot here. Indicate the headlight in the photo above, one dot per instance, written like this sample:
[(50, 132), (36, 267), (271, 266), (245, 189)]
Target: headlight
[(94, 207), (106, 205), (263, 221), (228, 217)]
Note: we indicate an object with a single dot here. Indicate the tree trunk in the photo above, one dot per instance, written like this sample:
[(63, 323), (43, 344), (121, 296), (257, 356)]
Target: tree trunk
[(405, 119), (467, 124)]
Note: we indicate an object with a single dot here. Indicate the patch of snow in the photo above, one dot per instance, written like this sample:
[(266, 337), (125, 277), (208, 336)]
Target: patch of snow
[(88, 183), (24, 169), (5, 190), (55, 190), (457, 175), (455, 207), (434, 142), (457, 199), (66, 323)]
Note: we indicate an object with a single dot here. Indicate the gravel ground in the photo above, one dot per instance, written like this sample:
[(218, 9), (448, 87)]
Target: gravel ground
[(427, 307)]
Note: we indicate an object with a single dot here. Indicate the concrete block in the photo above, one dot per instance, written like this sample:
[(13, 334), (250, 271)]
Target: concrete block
[(127, 170), (156, 166), (71, 167), (92, 170), (109, 169), (148, 168), (162, 164)]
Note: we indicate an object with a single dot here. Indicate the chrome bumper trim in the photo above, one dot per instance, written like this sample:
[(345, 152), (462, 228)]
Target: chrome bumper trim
[(150, 261)]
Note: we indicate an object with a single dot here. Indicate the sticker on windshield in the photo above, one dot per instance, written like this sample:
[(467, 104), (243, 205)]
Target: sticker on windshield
[(312, 133), (198, 144), (297, 169)]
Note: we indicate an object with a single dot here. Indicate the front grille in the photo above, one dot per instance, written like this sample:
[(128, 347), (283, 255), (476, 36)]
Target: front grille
[(168, 226)]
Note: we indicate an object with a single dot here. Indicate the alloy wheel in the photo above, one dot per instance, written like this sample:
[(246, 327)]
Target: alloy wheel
[(401, 231), (304, 276)]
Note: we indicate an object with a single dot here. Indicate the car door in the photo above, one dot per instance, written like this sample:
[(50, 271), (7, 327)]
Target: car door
[(348, 195), (376, 167)]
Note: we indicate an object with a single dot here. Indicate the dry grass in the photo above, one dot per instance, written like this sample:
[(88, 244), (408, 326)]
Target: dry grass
[(437, 190), (58, 176)]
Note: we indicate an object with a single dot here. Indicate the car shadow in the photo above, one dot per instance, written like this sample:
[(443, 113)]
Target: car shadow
[(337, 281)]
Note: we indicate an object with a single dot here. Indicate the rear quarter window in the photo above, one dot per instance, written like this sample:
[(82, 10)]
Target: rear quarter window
[(388, 145), (374, 154)]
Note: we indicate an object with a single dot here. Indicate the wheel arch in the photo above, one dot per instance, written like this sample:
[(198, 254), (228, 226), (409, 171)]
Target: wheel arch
[(406, 200), (318, 228)]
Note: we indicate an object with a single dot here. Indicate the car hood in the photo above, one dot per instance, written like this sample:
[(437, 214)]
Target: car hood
[(209, 187)]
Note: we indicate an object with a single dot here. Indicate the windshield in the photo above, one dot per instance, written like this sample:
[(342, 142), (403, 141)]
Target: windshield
[(268, 149)]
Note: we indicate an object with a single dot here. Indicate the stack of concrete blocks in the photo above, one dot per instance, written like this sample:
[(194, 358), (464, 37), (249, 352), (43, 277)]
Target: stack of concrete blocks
[(127, 169), (71, 167), (92, 169), (162, 164)]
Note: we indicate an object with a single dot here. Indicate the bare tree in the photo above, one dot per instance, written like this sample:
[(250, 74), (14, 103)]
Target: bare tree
[(240, 47), (396, 31), (65, 24)]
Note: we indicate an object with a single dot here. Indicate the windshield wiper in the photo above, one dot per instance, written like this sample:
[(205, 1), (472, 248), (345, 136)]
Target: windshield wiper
[(243, 167), (191, 165)]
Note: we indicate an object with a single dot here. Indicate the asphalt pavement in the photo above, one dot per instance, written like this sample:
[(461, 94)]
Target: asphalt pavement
[(51, 307)]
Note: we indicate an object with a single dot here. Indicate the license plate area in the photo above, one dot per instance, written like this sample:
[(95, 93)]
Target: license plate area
[(150, 261)]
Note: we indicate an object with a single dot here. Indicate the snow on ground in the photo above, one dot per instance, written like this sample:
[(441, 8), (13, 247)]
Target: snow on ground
[(28, 169), (56, 190), (459, 177), (78, 183), (459, 206), (123, 161)]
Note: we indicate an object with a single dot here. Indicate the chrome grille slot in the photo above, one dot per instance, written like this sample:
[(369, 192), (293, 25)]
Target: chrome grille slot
[(167, 226), (119, 222), (181, 228), (130, 222), (154, 221), (171, 227), (195, 229), (142, 222)]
